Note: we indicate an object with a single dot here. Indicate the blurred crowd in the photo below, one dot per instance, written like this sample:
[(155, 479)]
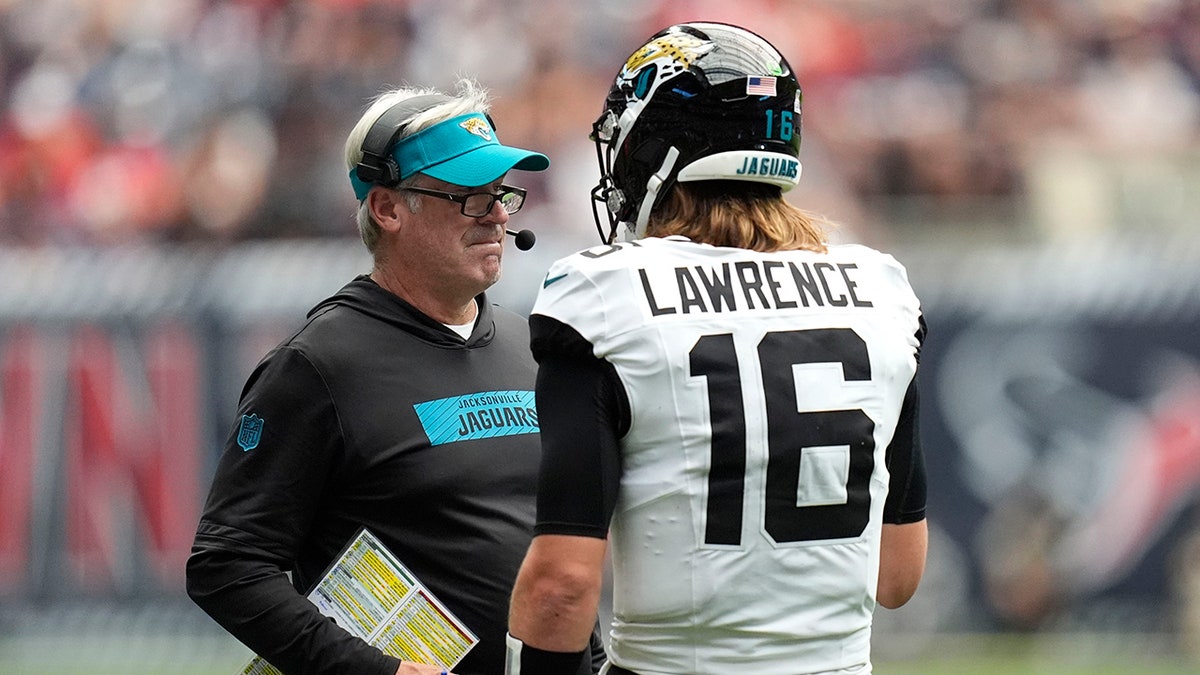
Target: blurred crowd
[(223, 120)]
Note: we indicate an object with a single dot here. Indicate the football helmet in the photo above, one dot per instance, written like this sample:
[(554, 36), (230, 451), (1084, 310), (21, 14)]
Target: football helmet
[(698, 101)]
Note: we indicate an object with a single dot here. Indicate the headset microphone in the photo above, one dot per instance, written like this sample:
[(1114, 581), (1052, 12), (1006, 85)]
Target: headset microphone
[(525, 238)]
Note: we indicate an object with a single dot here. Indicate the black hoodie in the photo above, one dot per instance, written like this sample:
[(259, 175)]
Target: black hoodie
[(373, 415)]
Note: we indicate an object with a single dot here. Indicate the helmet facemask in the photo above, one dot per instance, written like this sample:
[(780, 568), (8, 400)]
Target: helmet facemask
[(604, 135)]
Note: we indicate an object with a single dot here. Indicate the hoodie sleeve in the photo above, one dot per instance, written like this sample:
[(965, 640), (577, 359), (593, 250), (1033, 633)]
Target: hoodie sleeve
[(264, 497)]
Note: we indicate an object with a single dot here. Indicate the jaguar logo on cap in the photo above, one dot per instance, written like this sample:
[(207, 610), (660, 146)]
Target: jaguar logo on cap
[(478, 127)]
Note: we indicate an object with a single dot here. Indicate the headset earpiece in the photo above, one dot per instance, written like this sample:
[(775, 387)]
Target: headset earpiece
[(377, 165)]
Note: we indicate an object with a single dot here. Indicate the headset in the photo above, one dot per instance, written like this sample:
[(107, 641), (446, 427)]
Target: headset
[(377, 164)]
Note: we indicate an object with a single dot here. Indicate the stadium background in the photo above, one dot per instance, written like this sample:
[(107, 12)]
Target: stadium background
[(172, 200)]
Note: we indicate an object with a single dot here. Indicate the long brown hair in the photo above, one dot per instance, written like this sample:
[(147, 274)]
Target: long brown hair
[(735, 213)]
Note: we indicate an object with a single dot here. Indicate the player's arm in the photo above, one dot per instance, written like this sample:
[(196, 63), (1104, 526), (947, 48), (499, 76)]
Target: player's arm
[(556, 598), (582, 411), (905, 539), (903, 562)]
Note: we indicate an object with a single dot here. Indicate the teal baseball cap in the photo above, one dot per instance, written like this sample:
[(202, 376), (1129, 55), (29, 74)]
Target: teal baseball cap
[(463, 150)]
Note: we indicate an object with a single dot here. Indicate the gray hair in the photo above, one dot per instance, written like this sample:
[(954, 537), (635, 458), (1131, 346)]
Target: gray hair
[(469, 97)]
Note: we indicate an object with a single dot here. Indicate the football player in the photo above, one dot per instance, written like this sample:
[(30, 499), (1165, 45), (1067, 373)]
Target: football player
[(723, 395)]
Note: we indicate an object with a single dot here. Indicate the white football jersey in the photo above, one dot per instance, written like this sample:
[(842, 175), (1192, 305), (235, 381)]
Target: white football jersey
[(764, 389)]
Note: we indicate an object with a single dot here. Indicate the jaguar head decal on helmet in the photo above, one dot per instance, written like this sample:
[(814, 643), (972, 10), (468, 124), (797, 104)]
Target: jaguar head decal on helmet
[(698, 101)]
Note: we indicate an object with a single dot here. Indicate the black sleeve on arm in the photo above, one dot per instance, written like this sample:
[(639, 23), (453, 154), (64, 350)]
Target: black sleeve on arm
[(258, 514), (583, 412), (255, 602), (906, 462)]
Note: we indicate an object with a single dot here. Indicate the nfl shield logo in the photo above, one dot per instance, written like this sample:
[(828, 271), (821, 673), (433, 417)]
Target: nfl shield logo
[(250, 432)]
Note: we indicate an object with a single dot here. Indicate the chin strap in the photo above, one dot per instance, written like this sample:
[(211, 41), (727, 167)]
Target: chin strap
[(653, 185)]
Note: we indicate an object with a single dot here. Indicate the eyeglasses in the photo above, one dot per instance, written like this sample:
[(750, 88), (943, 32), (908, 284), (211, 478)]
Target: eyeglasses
[(479, 204)]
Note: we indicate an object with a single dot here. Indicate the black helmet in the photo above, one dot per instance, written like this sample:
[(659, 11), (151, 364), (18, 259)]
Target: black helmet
[(698, 101)]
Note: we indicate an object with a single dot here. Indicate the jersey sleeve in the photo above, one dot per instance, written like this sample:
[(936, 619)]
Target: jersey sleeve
[(264, 496), (570, 296)]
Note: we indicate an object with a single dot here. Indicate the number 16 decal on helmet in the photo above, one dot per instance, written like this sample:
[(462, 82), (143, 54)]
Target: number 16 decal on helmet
[(698, 101)]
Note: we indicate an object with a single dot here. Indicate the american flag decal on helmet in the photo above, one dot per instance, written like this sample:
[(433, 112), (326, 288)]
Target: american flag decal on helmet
[(762, 86)]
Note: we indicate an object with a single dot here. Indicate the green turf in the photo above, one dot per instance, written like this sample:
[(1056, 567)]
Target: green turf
[(1116, 654), (1021, 666), (1044, 654)]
